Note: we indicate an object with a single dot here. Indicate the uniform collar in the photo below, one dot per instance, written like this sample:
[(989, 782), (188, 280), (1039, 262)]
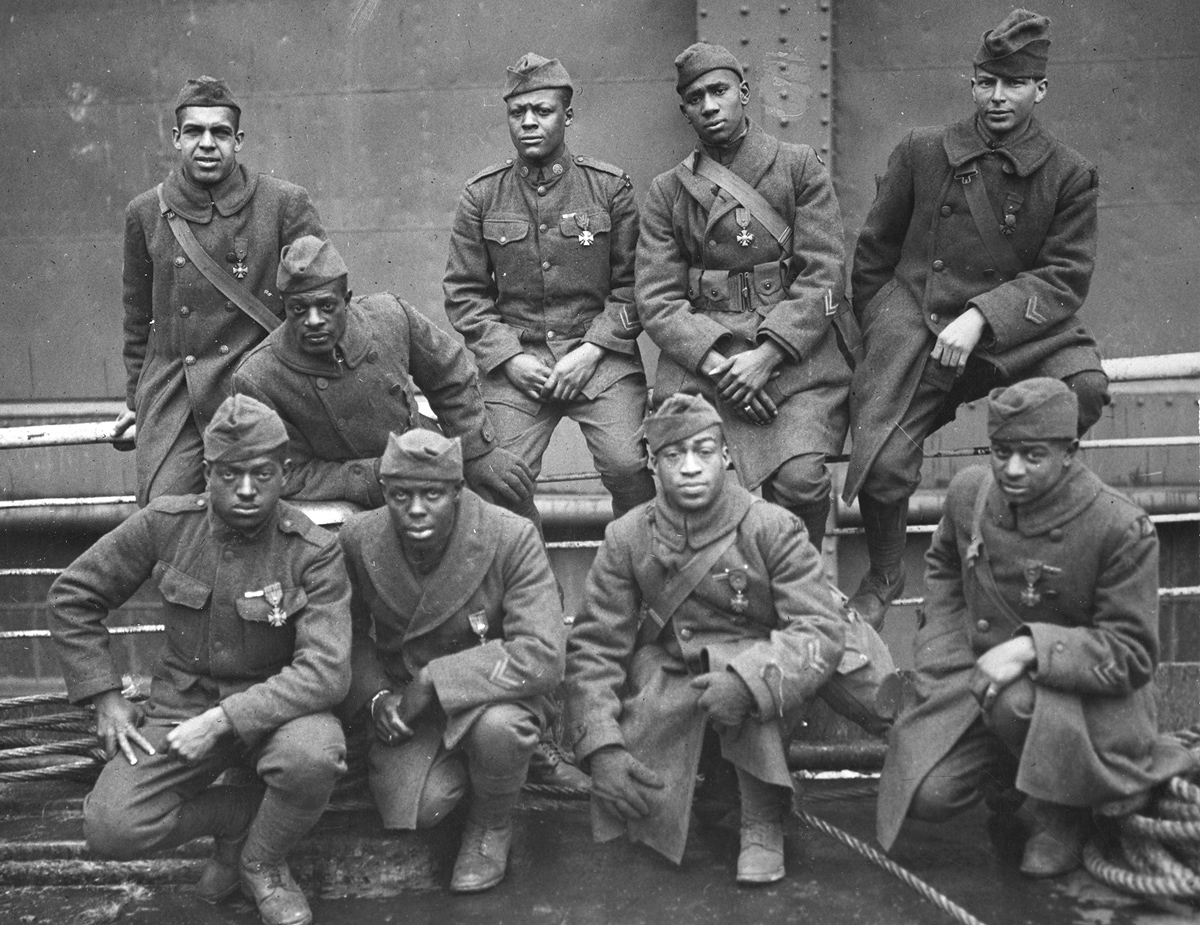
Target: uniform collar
[(196, 203), (965, 141), (552, 172), (677, 530), (223, 533), (755, 153), (1065, 501), (727, 154), (354, 346)]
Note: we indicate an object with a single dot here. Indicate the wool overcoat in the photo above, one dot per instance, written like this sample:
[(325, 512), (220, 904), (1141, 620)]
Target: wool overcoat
[(494, 578), (1076, 570), (183, 338), (629, 684), (920, 262), (339, 414)]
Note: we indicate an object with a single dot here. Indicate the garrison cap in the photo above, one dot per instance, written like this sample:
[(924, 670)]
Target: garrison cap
[(533, 72), (422, 454), (206, 91), (243, 428), (1034, 409), (306, 263), (700, 58), (679, 417), (1018, 47)]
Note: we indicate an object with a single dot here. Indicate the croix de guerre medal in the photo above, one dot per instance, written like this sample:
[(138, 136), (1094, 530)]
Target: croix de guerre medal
[(585, 235), (738, 582), (742, 217), (273, 594), (1033, 571), (479, 625)]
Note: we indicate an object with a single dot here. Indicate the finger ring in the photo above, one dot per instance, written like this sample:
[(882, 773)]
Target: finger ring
[(746, 408), (991, 693)]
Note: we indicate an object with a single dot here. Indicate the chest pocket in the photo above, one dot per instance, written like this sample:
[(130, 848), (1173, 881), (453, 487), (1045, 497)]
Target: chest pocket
[(597, 223), (257, 610), (504, 231), (185, 614), (180, 588)]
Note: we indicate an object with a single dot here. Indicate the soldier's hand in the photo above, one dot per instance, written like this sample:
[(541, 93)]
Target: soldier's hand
[(528, 374), (759, 409), (714, 365), (419, 695), (725, 698), (501, 474), (959, 338), (125, 420), (390, 729), (748, 372), (572, 373), (999, 667), (622, 783), (195, 738), (117, 722)]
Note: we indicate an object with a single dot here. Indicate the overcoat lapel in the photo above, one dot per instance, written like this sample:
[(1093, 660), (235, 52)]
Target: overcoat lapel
[(751, 163)]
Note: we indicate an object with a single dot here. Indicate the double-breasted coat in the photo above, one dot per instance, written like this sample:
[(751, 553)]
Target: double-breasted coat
[(920, 262), (339, 413), (1077, 570), (628, 683), (183, 338), (486, 623), (686, 316), (219, 624)]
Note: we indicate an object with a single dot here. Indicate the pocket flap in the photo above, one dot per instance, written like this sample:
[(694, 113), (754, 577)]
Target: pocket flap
[(504, 231), (768, 282), (178, 587), (597, 223), (257, 610)]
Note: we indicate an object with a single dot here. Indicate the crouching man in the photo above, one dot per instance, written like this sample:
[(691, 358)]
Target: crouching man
[(1038, 644), (458, 640), (703, 606), (256, 605)]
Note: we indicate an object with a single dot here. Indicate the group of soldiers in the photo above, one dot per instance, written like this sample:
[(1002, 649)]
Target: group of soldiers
[(708, 624)]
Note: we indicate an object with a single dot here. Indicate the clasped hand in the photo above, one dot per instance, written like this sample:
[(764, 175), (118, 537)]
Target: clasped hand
[(726, 698), (565, 382), (396, 712), (622, 783), (999, 667)]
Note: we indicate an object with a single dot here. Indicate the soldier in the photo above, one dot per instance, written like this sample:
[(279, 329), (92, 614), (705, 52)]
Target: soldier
[(257, 654), (201, 252), (739, 276), (705, 606), (957, 291), (1036, 653), (458, 640), (540, 283), (341, 375)]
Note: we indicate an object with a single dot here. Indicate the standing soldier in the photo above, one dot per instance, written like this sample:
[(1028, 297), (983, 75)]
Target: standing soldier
[(257, 653), (969, 270), (540, 283), (458, 641), (1036, 654), (201, 253), (739, 277)]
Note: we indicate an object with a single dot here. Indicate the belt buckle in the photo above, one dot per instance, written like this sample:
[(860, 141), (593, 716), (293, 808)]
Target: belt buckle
[(744, 292)]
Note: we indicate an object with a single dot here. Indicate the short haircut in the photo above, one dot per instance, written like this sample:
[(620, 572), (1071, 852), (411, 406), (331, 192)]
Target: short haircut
[(237, 116)]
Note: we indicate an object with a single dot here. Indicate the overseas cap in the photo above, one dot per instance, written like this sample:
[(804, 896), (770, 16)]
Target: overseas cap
[(1035, 409), (701, 58), (422, 454), (307, 263), (533, 72), (243, 428), (1018, 47), (206, 91), (679, 417)]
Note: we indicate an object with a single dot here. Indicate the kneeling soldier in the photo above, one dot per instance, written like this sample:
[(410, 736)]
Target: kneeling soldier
[(257, 653), (1038, 644), (458, 640), (703, 606)]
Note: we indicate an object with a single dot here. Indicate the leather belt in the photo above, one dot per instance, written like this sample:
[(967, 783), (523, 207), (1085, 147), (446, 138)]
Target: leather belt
[(736, 291)]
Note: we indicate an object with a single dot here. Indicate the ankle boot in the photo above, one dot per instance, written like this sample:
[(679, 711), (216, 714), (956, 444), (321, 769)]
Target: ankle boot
[(266, 879), (483, 855), (1057, 847), (885, 525), (229, 810), (760, 859)]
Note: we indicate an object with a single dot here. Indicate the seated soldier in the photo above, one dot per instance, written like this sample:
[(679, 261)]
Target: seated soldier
[(703, 606), (458, 641), (340, 372), (1038, 645), (256, 605)]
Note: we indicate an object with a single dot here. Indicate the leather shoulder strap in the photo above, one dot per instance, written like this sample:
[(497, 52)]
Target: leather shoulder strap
[(983, 566), (748, 196), (229, 287), (986, 223)]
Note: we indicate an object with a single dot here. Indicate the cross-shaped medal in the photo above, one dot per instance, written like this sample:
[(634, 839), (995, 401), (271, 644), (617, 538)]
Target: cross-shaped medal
[(586, 238), (240, 270), (745, 238), (274, 596)]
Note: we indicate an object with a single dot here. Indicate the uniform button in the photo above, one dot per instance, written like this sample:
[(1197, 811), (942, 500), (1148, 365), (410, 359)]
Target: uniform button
[(322, 382), (946, 210), (712, 243), (939, 265), (524, 171), (1009, 169), (179, 261), (227, 555), (372, 356), (229, 306), (714, 292), (189, 360), (223, 349), (545, 264), (983, 626), (341, 423), (356, 469), (1058, 647), (685, 633), (550, 335), (200, 502), (933, 316), (541, 191), (503, 239), (541, 227), (185, 311), (767, 286), (1056, 535), (394, 388)]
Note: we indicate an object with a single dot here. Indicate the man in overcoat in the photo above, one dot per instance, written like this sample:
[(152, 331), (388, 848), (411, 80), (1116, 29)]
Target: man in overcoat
[(341, 371), (705, 606), (539, 282), (969, 271), (739, 288), (257, 652), (1036, 652), (183, 336), (458, 641)]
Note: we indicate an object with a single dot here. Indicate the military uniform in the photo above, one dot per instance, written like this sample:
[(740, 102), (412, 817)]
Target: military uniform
[(276, 672), (763, 611), (183, 338), (1076, 570), (487, 625), (541, 261), (339, 411)]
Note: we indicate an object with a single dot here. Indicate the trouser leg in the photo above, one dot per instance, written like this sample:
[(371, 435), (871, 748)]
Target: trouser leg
[(802, 485), (979, 764), (611, 424), (1091, 390), (181, 470), (525, 435)]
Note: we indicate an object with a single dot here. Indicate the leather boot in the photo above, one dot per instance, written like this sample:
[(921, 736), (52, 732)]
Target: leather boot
[(549, 767), (266, 879), (885, 525), (483, 855), (1057, 848), (232, 808), (760, 859)]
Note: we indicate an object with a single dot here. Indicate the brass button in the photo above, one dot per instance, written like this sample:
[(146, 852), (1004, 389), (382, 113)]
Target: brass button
[(712, 243), (341, 424), (189, 360), (227, 555), (983, 626), (372, 356), (767, 286), (200, 502), (939, 265), (541, 191), (946, 210), (933, 316), (223, 349), (1058, 647), (322, 382), (185, 311), (550, 335), (503, 239), (541, 227), (179, 261), (545, 264), (229, 306), (685, 633)]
